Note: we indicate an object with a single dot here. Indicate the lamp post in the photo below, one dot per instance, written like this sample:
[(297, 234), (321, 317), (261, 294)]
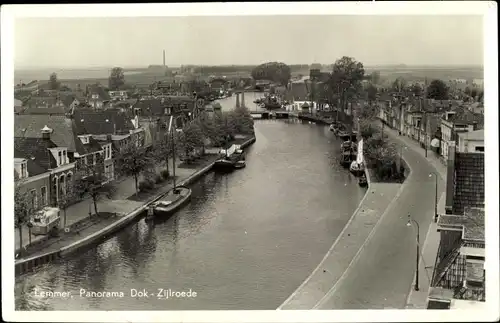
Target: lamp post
[(409, 224), (435, 196)]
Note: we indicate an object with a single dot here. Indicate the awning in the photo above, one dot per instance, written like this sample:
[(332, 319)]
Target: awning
[(435, 143)]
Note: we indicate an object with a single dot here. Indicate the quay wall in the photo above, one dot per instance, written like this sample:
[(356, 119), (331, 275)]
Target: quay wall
[(24, 265)]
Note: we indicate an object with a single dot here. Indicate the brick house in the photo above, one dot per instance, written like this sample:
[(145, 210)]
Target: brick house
[(459, 268), (68, 145), (47, 158), (97, 97), (33, 179)]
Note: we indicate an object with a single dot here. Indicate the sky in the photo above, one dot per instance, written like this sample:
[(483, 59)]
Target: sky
[(140, 41)]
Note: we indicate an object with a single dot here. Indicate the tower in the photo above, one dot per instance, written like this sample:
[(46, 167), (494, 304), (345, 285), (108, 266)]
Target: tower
[(163, 58)]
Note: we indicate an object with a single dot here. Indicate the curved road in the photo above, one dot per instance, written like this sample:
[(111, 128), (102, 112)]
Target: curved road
[(381, 275)]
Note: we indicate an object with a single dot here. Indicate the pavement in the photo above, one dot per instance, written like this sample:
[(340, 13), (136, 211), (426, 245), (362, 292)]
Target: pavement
[(118, 204), (381, 273)]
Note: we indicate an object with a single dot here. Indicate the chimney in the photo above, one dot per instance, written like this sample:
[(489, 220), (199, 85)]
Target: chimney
[(450, 178), (46, 131)]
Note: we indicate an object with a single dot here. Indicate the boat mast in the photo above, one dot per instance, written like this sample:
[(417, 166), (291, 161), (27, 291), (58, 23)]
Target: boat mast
[(170, 130)]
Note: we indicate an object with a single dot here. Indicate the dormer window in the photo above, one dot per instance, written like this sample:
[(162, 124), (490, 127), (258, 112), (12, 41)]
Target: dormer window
[(21, 166), (85, 139)]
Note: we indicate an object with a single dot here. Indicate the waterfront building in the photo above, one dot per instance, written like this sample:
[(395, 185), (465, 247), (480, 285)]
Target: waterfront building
[(459, 272), (51, 166)]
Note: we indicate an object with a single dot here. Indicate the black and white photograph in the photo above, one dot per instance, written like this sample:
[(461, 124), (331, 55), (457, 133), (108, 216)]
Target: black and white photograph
[(286, 160)]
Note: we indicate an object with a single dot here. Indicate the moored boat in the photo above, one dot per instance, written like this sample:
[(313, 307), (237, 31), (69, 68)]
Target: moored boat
[(362, 181), (174, 199), (356, 169), (240, 164), (171, 202), (224, 164)]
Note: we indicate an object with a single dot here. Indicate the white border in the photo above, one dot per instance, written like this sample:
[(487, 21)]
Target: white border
[(488, 9)]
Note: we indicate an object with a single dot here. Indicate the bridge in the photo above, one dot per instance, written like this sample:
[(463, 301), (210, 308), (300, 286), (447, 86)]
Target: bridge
[(273, 114)]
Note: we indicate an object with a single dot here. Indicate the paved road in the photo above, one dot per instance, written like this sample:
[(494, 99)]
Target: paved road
[(382, 275)]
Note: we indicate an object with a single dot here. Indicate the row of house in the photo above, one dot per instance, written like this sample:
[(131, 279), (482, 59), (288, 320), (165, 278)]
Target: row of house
[(435, 124), (51, 150)]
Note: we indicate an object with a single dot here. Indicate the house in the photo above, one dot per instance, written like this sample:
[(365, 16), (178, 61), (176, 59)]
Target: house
[(97, 96), (218, 84), (456, 121), (472, 141), (118, 95), (459, 272), (51, 166), (63, 135), (32, 179), (112, 129)]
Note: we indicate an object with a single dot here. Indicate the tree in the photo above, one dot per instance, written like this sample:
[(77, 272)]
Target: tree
[(399, 85), (480, 96), (116, 78), (54, 83), (272, 71), (375, 77), (437, 90), (163, 151), (90, 182), (345, 80), (243, 120), (225, 125), (372, 93), (416, 89), (191, 138), (23, 208), (134, 161), (64, 200)]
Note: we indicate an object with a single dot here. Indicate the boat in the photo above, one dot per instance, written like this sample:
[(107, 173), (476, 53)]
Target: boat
[(362, 181), (231, 155), (356, 169), (171, 202), (174, 199), (240, 164), (271, 103)]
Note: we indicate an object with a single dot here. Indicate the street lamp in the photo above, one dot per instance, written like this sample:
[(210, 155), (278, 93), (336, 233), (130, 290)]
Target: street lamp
[(435, 197), (410, 220)]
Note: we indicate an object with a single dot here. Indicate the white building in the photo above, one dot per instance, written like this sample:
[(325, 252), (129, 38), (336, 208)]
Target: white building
[(472, 141)]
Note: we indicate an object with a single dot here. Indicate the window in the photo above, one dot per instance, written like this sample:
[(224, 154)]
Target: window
[(60, 158), (43, 195), (33, 199), (23, 170), (480, 148)]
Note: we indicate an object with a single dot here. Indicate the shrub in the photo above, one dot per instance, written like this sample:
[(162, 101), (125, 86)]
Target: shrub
[(165, 174), (146, 185), (158, 178)]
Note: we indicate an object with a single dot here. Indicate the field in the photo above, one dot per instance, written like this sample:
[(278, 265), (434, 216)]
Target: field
[(147, 76)]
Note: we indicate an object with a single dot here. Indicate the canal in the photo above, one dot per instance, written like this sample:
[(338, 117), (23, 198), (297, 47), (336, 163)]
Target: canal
[(246, 241)]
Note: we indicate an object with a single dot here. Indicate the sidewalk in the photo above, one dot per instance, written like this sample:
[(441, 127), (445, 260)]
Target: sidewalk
[(80, 211)]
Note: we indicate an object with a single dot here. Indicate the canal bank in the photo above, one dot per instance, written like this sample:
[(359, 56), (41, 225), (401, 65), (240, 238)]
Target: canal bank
[(89, 236), (244, 241)]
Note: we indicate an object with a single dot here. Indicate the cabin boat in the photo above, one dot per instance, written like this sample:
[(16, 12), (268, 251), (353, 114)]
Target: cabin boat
[(45, 220), (356, 169), (170, 202), (362, 181), (230, 157)]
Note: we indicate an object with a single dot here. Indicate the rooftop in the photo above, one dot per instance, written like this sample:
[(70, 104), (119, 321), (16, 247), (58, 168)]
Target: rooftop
[(472, 135), (469, 182), (35, 151), (471, 223), (63, 134)]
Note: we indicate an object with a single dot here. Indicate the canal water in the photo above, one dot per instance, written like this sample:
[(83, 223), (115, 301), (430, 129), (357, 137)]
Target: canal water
[(246, 241)]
